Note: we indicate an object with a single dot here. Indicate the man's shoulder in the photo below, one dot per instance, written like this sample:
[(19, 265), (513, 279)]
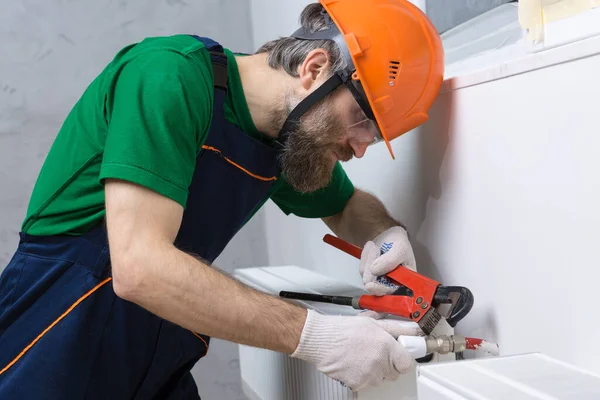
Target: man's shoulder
[(180, 43), (176, 53), (163, 69)]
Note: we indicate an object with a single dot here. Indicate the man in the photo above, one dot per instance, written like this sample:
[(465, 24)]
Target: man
[(167, 154)]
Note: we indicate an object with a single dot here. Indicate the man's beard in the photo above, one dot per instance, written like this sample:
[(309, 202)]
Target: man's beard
[(306, 160)]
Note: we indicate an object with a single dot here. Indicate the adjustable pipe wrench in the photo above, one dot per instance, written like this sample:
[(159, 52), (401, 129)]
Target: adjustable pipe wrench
[(417, 297)]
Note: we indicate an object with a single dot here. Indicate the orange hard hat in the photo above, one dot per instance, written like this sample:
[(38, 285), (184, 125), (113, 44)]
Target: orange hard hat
[(395, 60)]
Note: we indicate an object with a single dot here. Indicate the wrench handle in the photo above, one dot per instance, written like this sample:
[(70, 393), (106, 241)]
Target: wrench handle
[(342, 245)]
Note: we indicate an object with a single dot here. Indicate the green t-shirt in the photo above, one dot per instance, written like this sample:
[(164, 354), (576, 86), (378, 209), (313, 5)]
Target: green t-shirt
[(144, 119)]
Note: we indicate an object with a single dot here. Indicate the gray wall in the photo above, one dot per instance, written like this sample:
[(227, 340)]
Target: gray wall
[(52, 49), (49, 52)]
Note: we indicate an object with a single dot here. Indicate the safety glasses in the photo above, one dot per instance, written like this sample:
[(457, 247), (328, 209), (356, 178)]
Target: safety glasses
[(366, 130)]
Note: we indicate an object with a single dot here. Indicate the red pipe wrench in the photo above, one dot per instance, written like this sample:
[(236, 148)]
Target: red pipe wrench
[(417, 297)]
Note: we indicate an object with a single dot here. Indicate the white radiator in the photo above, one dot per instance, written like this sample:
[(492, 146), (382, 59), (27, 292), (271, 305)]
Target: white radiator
[(520, 377), (268, 375)]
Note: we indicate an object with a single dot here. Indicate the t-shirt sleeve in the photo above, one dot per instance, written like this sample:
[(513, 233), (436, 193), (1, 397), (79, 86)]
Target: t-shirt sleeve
[(158, 112), (322, 203)]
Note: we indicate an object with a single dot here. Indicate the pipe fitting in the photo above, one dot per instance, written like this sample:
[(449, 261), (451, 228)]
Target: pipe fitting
[(444, 344)]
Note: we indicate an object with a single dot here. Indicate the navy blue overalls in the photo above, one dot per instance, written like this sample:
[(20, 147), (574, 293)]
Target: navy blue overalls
[(64, 334)]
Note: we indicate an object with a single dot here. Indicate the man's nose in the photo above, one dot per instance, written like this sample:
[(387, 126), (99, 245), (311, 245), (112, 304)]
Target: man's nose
[(360, 148)]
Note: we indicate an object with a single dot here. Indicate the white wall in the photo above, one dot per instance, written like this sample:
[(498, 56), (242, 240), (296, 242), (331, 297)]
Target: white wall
[(50, 51), (500, 191), (510, 206)]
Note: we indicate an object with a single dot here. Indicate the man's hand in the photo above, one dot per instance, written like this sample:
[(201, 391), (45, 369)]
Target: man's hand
[(356, 350), (382, 255), (363, 218)]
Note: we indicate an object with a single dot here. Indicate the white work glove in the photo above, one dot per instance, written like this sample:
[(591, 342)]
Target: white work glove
[(357, 351), (382, 255)]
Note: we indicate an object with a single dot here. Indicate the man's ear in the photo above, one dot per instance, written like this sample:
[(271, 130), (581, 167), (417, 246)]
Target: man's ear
[(314, 68)]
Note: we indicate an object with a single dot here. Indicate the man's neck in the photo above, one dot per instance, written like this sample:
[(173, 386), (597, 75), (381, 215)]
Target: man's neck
[(264, 89)]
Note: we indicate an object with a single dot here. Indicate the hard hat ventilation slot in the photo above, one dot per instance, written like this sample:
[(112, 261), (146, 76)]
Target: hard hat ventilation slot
[(393, 69)]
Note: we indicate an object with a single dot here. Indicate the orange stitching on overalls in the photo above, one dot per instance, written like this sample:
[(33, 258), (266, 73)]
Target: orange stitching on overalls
[(26, 349), (262, 178), (200, 337)]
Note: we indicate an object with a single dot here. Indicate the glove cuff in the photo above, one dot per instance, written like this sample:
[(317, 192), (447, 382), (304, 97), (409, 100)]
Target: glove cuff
[(394, 230), (317, 336)]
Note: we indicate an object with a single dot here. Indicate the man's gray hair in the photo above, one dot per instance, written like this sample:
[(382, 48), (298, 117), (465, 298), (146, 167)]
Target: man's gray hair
[(289, 53)]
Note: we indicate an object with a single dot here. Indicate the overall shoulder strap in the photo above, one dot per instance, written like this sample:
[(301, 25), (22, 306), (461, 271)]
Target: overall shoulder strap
[(219, 61)]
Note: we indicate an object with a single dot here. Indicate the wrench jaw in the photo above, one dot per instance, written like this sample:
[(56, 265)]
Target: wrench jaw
[(430, 320), (461, 299)]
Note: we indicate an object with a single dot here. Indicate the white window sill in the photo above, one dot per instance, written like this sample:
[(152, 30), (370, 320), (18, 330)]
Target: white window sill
[(564, 41)]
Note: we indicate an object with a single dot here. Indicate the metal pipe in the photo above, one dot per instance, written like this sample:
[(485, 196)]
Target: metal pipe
[(420, 346)]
